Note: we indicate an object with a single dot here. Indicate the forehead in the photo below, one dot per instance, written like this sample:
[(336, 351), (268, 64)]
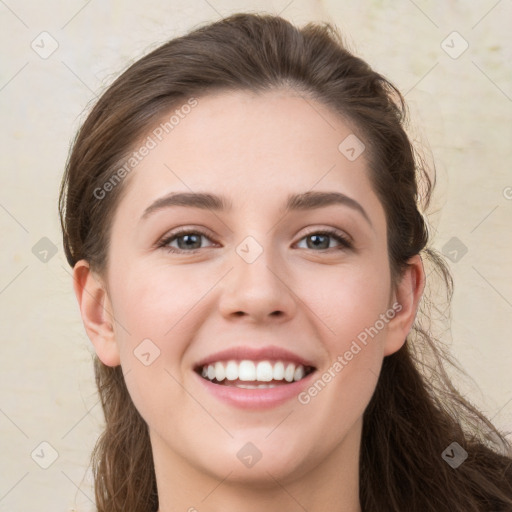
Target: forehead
[(250, 147)]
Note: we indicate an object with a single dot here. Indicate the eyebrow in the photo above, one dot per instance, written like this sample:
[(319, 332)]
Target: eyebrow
[(295, 202)]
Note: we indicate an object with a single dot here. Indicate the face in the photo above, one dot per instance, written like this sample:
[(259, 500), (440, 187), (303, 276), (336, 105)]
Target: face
[(309, 284)]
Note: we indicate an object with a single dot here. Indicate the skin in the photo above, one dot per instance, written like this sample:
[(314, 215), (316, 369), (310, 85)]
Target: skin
[(254, 149)]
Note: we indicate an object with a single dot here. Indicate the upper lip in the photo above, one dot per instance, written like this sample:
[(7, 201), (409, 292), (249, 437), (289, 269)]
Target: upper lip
[(239, 353)]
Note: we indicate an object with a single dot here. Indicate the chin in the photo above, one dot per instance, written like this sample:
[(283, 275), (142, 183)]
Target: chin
[(261, 464)]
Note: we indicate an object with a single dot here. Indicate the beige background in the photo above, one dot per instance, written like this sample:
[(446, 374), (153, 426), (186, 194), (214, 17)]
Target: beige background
[(461, 108)]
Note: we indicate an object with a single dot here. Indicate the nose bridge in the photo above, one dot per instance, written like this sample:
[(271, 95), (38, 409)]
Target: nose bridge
[(256, 285), (255, 257)]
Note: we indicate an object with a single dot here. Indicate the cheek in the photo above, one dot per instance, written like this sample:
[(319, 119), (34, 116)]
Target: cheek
[(158, 310), (154, 305), (155, 302), (353, 305), (347, 300), (152, 308)]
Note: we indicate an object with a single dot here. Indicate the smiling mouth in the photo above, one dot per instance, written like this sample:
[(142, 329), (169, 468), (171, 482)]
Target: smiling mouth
[(248, 374)]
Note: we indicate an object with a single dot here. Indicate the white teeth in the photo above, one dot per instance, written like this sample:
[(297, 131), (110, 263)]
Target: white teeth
[(289, 372), (251, 371), (231, 370), (247, 371), (279, 371), (220, 373), (299, 373), (264, 371)]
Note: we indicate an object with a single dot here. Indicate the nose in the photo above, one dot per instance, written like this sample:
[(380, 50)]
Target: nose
[(259, 291)]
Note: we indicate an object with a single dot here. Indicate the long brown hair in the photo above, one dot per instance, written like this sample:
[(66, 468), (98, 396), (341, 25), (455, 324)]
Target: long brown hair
[(415, 413)]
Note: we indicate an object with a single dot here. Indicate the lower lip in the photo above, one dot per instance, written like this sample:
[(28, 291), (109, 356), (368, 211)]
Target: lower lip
[(257, 398)]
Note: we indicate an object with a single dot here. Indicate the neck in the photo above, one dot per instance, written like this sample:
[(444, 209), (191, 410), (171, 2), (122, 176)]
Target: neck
[(332, 484)]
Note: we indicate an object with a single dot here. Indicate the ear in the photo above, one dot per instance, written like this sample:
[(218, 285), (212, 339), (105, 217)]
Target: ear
[(96, 312), (406, 298)]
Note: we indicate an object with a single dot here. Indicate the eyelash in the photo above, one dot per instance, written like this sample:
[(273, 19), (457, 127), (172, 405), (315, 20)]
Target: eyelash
[(163, 243)]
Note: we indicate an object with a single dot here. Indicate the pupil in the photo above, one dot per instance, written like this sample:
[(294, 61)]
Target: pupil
[(316, 237), (187, 238)]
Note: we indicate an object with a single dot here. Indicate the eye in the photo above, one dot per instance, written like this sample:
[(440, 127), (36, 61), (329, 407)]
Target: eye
[(319, 238), (186, 239)]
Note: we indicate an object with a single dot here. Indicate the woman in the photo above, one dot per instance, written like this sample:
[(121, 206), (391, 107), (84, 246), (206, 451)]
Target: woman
[(241, 210)]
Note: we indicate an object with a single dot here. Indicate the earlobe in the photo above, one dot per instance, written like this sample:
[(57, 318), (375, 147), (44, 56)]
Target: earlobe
[(408, 295), (96, 313)]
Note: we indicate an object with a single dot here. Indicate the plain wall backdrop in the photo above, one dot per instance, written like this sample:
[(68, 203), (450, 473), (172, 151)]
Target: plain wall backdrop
[(450, 59)]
